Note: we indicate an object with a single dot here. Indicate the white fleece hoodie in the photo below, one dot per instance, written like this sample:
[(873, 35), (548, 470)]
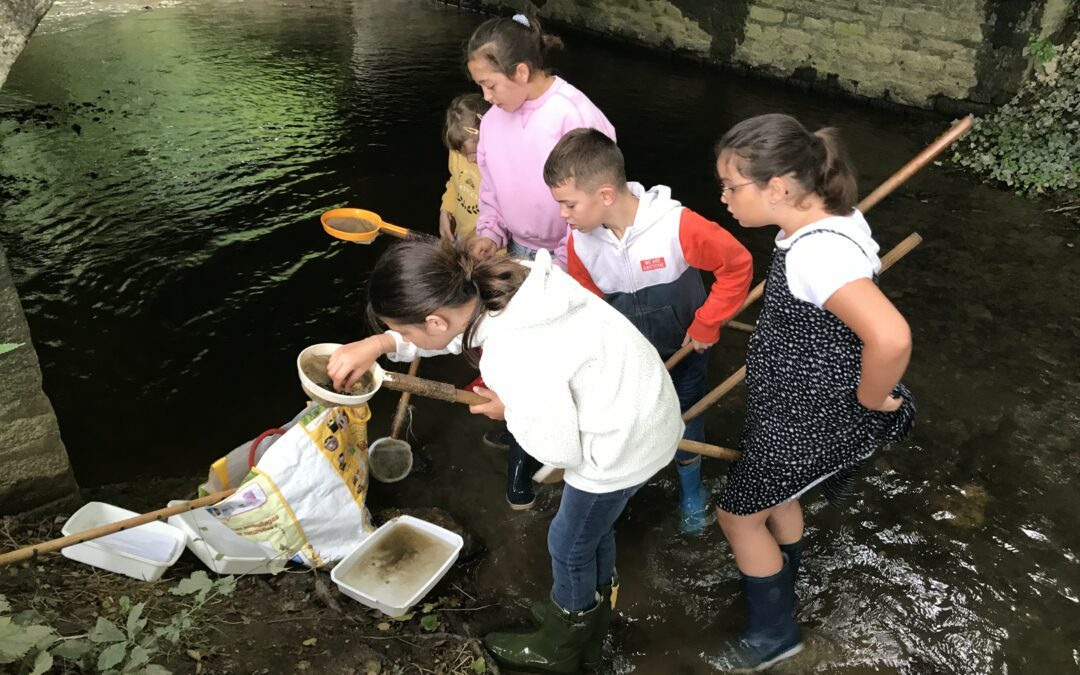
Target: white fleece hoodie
[(584, 390)]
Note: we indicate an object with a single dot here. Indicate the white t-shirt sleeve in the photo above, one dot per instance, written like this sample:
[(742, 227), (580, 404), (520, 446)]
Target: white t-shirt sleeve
[(821, 264), (407, 351)]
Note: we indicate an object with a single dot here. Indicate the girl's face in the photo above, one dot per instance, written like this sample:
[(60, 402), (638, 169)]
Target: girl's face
[(468, 148), (507, 93), (746, 202)]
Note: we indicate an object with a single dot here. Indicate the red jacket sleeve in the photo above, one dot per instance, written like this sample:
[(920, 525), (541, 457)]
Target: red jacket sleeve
[(576, 268), (707, 246)]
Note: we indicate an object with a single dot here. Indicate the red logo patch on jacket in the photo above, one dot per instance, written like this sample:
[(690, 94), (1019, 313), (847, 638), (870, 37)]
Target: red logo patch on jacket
[(653, 264)]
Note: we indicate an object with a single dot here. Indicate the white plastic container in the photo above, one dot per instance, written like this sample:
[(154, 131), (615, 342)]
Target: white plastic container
[(143, 552), (398, 564), (221, 549)]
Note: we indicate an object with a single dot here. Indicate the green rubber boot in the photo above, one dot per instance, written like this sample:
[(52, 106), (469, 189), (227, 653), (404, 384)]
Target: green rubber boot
[(556, 647), (593, 655)]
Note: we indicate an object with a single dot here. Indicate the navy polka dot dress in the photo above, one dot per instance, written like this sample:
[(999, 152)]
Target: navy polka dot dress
[(804, 425)]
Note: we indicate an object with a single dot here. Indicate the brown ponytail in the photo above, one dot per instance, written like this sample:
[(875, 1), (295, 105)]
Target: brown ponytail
[(416, 278), (778, 145), (504, 43)]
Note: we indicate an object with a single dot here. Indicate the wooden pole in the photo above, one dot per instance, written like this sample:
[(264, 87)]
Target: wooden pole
[(403, 404), (907, 171), (112, 528)]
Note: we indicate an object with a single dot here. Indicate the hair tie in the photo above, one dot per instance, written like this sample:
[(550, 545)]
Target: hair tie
[(522, 19)]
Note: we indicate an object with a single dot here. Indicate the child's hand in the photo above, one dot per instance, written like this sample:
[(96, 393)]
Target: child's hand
[(349, 362), (699, 346), (483, 247), (446, 225), (493, 408)]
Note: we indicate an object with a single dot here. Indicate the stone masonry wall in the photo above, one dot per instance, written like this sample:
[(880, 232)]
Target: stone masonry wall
[(953, 54), (34, 468)]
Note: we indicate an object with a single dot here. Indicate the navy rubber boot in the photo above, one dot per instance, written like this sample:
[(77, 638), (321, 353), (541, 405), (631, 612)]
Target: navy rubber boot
[(771, 634), (520, 467), (694, 515)]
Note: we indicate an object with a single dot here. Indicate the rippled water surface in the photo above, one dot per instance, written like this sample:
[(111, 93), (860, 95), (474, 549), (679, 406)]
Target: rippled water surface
[(162, 172)]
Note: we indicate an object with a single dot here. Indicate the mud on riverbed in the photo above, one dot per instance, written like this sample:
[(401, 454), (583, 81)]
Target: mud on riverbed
[(294, 621)]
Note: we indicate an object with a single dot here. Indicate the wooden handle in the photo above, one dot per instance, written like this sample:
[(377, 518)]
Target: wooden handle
[(709, 450), (918, 162), (674, 359), (403, 403), (431, 389), (111, 528), (888, 260), (900, 250), (715, 395), (893, 182)]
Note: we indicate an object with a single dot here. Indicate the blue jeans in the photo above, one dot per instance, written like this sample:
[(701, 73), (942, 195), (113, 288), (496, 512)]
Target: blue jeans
[(520, 251), (581, 541), (689, 380)]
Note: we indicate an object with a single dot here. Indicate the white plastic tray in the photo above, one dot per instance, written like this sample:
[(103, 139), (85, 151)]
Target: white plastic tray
[(371, 596), (143, 552), (221, 549)]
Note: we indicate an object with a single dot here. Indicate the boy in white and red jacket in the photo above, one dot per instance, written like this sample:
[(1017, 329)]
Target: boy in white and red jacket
[(641, 251)]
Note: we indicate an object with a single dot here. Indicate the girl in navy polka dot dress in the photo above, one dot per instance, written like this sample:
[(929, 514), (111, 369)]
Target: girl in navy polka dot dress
[(823, 366)]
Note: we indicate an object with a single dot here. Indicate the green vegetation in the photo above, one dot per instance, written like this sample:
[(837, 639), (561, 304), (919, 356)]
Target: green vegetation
[(1032, 144), (30, 644)]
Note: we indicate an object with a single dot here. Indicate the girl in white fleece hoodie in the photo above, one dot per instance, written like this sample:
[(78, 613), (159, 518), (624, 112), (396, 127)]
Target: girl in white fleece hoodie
[(579, 387)]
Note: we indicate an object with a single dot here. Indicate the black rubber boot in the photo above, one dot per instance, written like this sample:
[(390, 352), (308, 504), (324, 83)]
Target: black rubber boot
[(556, 647), (771, 634), (520, 467), (794, 554)]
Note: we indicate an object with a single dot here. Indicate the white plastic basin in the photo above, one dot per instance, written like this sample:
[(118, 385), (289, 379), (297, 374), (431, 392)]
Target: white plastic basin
[(398, 564), (143, 552), (221, 549)]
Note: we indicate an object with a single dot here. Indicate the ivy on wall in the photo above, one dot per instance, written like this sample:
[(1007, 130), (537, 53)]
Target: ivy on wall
[(1032, 144)]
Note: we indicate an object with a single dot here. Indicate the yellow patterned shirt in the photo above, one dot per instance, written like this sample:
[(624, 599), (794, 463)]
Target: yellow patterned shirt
[(461, 198)]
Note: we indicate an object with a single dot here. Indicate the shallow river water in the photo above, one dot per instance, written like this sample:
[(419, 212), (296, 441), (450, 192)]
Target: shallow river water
[(162, 172)]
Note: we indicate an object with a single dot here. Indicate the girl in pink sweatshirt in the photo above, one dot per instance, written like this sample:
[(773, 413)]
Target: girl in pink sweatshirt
[(532, 109)]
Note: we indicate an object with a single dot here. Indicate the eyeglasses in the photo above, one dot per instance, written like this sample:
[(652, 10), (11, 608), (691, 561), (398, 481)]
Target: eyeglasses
[(730, 189)]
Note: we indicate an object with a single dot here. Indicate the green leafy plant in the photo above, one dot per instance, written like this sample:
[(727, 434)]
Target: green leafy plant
[(29, 644), (1032, 143)]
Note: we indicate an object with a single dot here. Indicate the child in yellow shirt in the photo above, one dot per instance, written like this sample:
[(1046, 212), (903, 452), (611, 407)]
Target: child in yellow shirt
[(460, 202)]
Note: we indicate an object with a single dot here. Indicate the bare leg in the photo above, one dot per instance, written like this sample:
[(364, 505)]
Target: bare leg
[(785, 522), (756, 552)]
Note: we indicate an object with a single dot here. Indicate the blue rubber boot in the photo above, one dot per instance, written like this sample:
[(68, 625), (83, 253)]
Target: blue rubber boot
[(693, 501), (771, 634)]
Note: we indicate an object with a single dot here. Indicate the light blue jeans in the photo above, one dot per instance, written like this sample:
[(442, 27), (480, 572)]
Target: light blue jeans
[(581, 541), (516, 250)]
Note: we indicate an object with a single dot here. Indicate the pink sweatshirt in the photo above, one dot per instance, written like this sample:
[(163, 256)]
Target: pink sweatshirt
[(514, 200)]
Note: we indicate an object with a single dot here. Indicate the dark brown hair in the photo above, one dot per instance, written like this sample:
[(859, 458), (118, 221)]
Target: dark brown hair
[(504, 43), (417, 277), (589, 158), (778, 145), (464, 113)]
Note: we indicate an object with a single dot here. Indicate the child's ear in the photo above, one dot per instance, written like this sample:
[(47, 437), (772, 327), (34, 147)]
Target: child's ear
[(607, 195), (776, 190), (436, 324), (522, 73)]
